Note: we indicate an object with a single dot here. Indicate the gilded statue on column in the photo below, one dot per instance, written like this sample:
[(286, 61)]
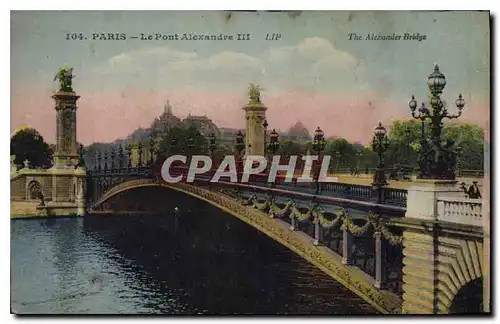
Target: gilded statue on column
[(65, 76), (254, 93)]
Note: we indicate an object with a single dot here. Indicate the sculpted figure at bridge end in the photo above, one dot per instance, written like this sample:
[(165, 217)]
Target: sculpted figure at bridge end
[(254, 93), (65, 76)]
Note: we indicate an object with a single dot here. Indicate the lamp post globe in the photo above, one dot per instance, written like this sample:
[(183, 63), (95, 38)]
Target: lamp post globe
[(319, 140), (436, 81), (274, 141)]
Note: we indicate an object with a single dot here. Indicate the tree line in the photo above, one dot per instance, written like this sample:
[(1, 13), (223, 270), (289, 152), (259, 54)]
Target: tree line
[(404, 138)]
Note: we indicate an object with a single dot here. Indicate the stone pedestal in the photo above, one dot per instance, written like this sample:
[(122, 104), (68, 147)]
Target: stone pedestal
[(66, 154), (423, 194), (255, 114), (438, 257)]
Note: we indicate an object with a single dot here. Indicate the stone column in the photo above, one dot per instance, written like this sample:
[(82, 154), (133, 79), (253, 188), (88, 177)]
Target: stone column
[(317, 232), (347, 242), (66, 154), (421, 292), (255, 114), (380, 261), (293, 224)]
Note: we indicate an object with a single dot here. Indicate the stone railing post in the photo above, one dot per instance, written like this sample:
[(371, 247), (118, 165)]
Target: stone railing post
[(317, 232), (380, 261), (293, 224), (347, 242)]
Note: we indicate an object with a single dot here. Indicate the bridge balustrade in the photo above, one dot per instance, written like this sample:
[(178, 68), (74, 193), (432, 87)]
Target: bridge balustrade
[(471, 173), (460, 210), (391, 196)]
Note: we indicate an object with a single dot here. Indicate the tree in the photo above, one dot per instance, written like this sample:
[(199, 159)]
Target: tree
[(28, 144), (469, 137), (289, 148), (178, 139), (342, 153)]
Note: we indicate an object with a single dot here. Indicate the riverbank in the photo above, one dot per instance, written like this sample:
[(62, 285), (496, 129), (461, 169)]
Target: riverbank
[(29, 209), (25, 209), (32, 209)]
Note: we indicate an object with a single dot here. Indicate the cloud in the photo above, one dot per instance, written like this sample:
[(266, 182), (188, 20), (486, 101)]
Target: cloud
[(226, 60), (157, 54), (312, 50), (313, 64)]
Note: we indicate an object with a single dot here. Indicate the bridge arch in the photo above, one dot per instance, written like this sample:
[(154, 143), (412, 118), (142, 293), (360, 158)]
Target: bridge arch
[(460, 269), (469, 299), (351, 277)]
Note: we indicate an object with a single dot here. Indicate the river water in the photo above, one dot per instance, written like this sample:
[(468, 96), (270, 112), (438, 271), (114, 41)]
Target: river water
[(200, 261)]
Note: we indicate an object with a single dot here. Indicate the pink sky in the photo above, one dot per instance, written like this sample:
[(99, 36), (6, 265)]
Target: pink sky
[(104, 117)]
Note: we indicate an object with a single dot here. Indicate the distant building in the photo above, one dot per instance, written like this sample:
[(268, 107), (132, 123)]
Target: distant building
[(203, 124), (165, 121), (296, 133), (228, 136)]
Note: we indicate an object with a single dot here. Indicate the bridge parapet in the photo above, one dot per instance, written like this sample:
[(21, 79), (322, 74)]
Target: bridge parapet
[(460, 210)]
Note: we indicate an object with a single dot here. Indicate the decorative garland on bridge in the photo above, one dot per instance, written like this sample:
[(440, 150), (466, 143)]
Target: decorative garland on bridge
[(327, 224), (348, 276), (316, 212)]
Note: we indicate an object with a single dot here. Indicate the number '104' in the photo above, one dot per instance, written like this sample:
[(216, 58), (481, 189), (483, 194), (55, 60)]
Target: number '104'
[(75, 36)]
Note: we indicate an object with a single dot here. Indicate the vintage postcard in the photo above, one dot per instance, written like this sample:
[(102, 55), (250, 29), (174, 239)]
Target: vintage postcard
[(250, 162)]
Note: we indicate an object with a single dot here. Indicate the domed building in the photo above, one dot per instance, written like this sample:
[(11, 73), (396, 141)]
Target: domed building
[(297, 133), (165, 121)]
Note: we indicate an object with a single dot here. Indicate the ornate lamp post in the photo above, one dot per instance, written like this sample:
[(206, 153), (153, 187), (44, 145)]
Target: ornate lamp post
[(151, 150), (319, 144), (274, 144), (139, 154), (120, 157), (439, 164), (359, 153), (173, 145), (380, 144), (212, 145), (129, 155), (422, 160), (264, 125), (190, 146), (240, 146)]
